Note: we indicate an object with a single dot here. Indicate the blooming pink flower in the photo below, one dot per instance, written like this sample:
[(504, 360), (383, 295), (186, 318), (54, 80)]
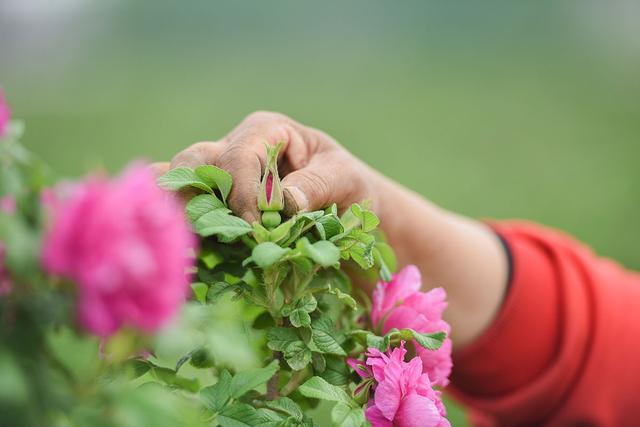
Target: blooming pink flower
[(5, 114), (400, 304), (8, 204), (125, 244), (403, 395)]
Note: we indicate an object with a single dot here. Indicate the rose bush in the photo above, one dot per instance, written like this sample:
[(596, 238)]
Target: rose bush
[(113, 315)]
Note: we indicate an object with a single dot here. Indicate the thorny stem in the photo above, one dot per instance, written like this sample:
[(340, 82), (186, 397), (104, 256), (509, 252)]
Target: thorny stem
[(274, 382), (296, 379)]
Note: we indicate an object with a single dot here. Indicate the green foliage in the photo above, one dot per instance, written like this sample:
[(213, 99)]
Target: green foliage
[(265, 337), (318, 388)]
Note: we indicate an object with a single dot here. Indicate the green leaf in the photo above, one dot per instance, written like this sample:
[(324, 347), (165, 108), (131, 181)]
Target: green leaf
[(216, 396), (381, 343), (243, 415), (260, 233), (249, 379), (430, 341), (179, 178), (297, 355), (299, 317), (331, 226), (324, 336), (362, 255), (200, 291), (268, 253), (263, 321), (216, 178), (201, 205), (321, 231), (336, 371), (387, 255), (318, 388), (319, 363), (368, 220), (169, 377), (202, 358), (346, 299), (322, 252), (282, 231), (279, 338), (307, 303), (345, 416), (286, 406), (218, 289), (218, 222)]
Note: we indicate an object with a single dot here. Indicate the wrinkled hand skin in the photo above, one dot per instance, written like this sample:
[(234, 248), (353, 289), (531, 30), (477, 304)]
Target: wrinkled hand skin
[(316, 170), (460, 254)]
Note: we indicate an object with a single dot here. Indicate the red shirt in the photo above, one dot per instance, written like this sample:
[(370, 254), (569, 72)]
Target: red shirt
[(565, 348)]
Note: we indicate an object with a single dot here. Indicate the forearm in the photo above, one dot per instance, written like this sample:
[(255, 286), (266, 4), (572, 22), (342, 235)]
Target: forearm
[(462, 255)]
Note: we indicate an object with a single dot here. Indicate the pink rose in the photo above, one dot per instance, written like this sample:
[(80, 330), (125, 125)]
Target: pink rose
[(125, 244), (403, 395), (5, 115), (400, 304)]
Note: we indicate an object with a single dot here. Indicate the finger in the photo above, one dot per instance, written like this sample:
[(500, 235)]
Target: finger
[(198, 154), (159, 168), (245, 156), (324, 181)]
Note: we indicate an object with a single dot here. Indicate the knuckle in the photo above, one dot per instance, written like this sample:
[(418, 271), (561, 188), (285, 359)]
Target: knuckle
[(318, 187)]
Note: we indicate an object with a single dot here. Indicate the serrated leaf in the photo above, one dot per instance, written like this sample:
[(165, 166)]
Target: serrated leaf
[(430, 341), (362, 255), (216, 396), (318, 388), (279, 338), (249, 379), (336, 371), (297, 355), (202, 204), (286, 406), (217, 289), (219, 223), (268, 253), (319, 363), (381, 343), (345, 416), (324, 336), (182, 177), (368, 220), (322, 252), (299, 318), (215, 178), (331, 226), (200, 291), (243, 415)]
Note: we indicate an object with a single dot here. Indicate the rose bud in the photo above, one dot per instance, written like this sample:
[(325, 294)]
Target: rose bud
[(270, 198)]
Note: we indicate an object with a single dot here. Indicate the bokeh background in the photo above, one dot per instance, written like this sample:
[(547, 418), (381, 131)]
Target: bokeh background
[(492, 109)]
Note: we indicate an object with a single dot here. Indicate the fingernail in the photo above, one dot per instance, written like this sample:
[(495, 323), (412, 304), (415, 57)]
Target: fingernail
[(294, 200)]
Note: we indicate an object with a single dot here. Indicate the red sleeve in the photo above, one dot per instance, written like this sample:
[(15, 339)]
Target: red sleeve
[(565, 347)]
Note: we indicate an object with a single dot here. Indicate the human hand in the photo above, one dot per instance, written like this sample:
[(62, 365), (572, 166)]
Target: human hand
[(316, 170)]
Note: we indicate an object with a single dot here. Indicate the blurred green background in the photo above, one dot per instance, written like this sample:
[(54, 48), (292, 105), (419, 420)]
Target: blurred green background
[(492, 109)]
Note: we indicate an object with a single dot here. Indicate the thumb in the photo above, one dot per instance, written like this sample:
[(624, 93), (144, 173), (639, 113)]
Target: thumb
[(322, 182)]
